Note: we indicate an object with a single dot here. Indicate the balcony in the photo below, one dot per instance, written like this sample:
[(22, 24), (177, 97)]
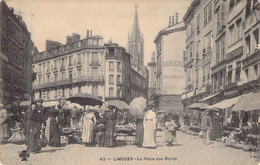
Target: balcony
[(95, 63), (48, 71), (79, 64), (62, 68), (91, 79)]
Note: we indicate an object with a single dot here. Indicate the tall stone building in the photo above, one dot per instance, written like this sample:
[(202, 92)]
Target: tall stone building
[(226, 66), (15, 56), (152, 76), (65, 70), (136, 44)]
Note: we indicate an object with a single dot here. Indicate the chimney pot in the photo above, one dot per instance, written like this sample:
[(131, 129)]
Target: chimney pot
[(172, 20), (176, 15), (87, 33), (68, 40)]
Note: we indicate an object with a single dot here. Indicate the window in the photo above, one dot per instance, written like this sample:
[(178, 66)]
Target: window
[(256, 38), (70, 91), (55, 64), (207, 14), (231, 4), (248, 8), (63, 75), (40, 79), (111, 92), (204, 75), (119, 66), (70, 76), (95, 90), (79, 59), (223, 48), (217, 51), (48, 79), (79, 89), (112, 51), (248, 44), (48, 94), (40, 68), (204, 45), (55, 77), (208, 74), (197, 78), (239, 29), (189, 77), (190, 51), (95, 59), (70, 60), (63, 92), (48, 66), (246, 72), (197, 50), (79, 73), (229, 78), (111, 65), (238, 70), (118, 79), (111, 79), (209, 42), (63, 63), (95, 74), (256, 70), (198, 23), (232, 34), (56, 93)]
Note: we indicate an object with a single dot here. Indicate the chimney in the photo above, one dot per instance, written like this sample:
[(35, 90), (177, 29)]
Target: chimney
[(176, 15), (172, 20), (68, 40), (87, 33), (75, 37), (90, 33), (52, 44)]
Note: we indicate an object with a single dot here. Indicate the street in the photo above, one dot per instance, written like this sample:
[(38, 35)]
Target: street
[(188, 150)]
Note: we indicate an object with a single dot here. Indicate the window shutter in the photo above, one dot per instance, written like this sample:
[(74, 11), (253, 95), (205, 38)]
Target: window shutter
[(222, 10)]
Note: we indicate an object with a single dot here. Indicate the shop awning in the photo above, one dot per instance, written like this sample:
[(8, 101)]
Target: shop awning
[(225, 103), (50, 103), (209, 97), (248, 102)]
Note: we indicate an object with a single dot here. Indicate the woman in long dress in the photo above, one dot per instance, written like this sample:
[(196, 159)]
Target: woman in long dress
[(88, 123), (52, 129), (110, 122), (149, 128), (32, 129), (216, 127), (4, 127), (139, 132)]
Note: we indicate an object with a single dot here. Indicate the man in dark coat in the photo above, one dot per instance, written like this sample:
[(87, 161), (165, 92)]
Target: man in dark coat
[(206, 126)]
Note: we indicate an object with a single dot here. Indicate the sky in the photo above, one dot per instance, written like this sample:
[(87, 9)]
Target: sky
[(112, 19)]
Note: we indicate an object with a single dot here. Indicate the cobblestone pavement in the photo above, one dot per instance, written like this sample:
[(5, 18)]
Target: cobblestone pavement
[(188, 150)]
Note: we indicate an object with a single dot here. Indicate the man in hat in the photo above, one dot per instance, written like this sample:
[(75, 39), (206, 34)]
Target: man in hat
[(206, 126)]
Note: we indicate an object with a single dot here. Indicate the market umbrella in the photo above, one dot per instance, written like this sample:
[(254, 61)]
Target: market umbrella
[(137, 106), (198, 106), (25, 103), (118, 103), (85, 99), (248, 102), (71, 105), (10, 106)]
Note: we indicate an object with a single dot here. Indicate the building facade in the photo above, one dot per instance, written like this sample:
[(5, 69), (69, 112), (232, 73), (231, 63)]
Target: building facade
[(15, 56), (118, 73), (170, 75), (232, 62), (65, 70)]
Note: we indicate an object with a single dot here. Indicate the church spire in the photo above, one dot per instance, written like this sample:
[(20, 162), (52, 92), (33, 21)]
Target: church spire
[(136, 31)]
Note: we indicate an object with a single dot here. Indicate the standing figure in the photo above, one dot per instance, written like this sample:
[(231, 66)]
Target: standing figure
[(170, 127), (139, 131), (32, 129), (52, 130), (4, 127), (88, 123), (110, 122), (216, 127), (206, 126), (74, 116), (149, 123), (234, 120)]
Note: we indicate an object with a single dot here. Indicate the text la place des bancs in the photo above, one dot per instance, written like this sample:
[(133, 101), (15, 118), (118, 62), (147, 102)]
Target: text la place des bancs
[(138, 159)]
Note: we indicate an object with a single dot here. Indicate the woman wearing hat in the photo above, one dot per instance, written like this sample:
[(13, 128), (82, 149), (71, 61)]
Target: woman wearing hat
[(4, 127), (88, 123), (149, 123), (110, 122), (52, 130)]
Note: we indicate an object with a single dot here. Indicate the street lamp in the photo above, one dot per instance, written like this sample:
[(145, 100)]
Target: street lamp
[(119, 88)]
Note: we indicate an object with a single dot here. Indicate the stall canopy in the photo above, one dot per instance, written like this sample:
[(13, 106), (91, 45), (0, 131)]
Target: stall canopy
[(209, 97), (224, 104), (50, 103), (248, 102), (198, 106)]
